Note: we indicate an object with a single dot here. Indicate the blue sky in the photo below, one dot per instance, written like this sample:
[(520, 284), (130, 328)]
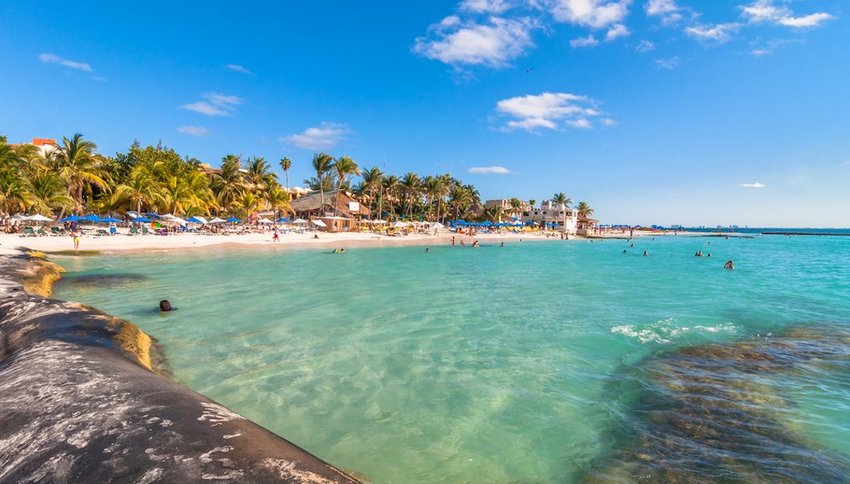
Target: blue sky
[(654, 111)]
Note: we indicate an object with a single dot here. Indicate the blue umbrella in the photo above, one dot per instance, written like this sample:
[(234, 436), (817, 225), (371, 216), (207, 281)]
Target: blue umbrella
[(283, 219), (194, 220), (110, 220), (154, 216), (233, 220), (72, 218), (91, 218), (142, 220)]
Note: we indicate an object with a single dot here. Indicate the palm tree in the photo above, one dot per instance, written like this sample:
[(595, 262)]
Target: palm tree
[(392, 188), (248, 204), (228, 184), (14, 192), (322, 163), (370, 185), (562, 199), (48, 193), (532, 202), (345, 167), (286, 164), (258, 174), (584, 210), (141, 189), (494, 213), (278, 200), (411, 188), (78, 165)]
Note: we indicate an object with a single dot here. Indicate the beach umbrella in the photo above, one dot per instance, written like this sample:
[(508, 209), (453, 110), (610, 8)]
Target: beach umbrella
[(141, 220), (299, 221), (265, 221), (154, 216), (39, 218), (72, 218), (401, 225), (110, 220), (319, 223), (438, 225), (283, 219), (233, 220), (195, 220), (217, 220), (90, 218)]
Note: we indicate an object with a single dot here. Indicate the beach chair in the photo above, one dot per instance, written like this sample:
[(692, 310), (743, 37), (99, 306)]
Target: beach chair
[(102, 232), (42, 233), (28, 232), (145, 230), (134, 231)]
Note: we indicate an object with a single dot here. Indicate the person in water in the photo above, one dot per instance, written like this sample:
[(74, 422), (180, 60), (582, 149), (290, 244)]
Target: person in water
[(453, 240), (729, 265), (338, 251), (645, 253), (501, 244), (165, 306), (427, 250), (698, 254)]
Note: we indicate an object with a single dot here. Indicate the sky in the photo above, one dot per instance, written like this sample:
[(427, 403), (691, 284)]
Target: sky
[(709, 112)]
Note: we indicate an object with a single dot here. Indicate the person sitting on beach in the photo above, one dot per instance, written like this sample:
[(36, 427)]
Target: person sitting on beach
[(315, 236), (165, 306), (729, 265)]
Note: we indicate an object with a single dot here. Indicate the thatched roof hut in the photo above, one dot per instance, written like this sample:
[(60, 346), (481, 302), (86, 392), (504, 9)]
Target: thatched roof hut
[(347, 206)]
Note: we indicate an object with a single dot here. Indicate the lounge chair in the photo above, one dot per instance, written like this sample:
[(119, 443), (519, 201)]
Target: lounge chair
[(134, 231), (28, 232), (42, 233)]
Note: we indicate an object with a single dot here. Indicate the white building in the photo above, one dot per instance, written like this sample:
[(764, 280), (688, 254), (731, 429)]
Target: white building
[(553, 215)]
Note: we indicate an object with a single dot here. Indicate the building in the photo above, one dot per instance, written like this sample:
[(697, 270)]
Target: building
[(555, 216), (44, 146), (507, 206), (346, 216)]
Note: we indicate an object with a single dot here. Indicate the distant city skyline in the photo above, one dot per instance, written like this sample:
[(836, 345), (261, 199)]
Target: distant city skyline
[(653, 111)]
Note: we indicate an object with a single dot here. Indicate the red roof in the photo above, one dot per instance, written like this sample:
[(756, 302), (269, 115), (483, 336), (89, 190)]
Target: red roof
[(43, 141)]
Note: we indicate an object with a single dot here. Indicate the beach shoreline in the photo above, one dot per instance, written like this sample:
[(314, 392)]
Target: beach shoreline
[(289, 241)]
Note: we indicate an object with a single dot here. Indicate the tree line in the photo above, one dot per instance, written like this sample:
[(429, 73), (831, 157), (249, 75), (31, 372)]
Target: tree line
[(74, 178)]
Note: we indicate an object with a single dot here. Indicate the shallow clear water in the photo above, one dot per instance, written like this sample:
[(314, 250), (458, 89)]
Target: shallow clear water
[(497, 364)]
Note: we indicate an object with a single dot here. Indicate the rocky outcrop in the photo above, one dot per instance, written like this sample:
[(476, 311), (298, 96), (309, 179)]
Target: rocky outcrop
[(82, 400)]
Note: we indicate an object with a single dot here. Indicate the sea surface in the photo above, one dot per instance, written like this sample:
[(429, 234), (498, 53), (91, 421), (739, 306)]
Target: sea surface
[(567, 361)]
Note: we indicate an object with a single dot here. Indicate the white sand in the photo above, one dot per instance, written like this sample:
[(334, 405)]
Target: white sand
[(121, 242)]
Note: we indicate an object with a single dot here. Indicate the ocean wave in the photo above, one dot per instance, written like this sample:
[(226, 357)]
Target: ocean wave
[(670, 330)]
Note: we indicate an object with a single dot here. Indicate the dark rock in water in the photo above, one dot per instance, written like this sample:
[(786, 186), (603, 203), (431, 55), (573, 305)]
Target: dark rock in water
[(96, 280), (79, 402), (714, 413)]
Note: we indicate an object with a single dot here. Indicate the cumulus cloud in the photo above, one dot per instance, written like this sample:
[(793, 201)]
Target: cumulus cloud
[(489, 170), (492, 44), (215, 104), (669, 63), (717, 33), (762, 11), (238, 68), (644, 46), (48, 58), (193, 130), (485, 6), (588, 41), (753, 185), (322, 137), (616, 32), (596, 14), (667, 10), (548, 110)]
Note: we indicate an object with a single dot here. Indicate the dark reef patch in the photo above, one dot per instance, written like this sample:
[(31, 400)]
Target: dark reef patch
[(718, 413), (97, 280)]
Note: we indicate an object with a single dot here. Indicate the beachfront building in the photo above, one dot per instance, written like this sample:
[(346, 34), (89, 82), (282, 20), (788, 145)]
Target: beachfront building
[(557, 216), (44, 145), (587, 226), (349, 211)]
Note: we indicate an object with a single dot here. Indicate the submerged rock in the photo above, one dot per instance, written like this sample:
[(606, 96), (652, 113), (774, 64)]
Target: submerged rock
[(81, 401), (718, 413)]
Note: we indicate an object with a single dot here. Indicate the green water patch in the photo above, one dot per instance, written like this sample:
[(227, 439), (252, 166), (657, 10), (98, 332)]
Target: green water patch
[(77, 253), (727, 412), (103, 280)]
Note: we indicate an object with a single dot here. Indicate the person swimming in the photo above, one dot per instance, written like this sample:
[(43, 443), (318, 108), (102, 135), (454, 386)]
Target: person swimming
[(338, 251), (427, 250), (729, 265), (645, 253), (501, 244), (698, 254), (165, 306)]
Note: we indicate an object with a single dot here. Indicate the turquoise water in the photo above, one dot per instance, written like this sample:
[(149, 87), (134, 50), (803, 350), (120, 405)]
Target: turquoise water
[(497, 364)]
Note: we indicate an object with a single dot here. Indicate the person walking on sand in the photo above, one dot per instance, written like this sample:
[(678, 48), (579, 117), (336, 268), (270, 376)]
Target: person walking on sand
[(276, 237), (76, 236)]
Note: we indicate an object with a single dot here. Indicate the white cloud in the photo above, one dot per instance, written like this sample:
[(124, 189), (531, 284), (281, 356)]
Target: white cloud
[(48, 58), (762, 11), (238, 68), (215, 104), (760, 52), (752, 185), (546, 110), (669, 63), (493, 44), (588, 41), (616, 31), (717, 33), (323, 137), (193, 130), (609, 123), (489, 170), (668, 10), (588, 13), (485, 6), (644, 46)]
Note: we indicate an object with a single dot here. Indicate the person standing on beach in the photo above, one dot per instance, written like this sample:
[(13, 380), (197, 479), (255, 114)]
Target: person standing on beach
[(453, 240), (276, 237), (76, 236)]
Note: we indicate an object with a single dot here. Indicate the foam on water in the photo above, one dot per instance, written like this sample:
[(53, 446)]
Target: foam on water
[(471, 365)]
